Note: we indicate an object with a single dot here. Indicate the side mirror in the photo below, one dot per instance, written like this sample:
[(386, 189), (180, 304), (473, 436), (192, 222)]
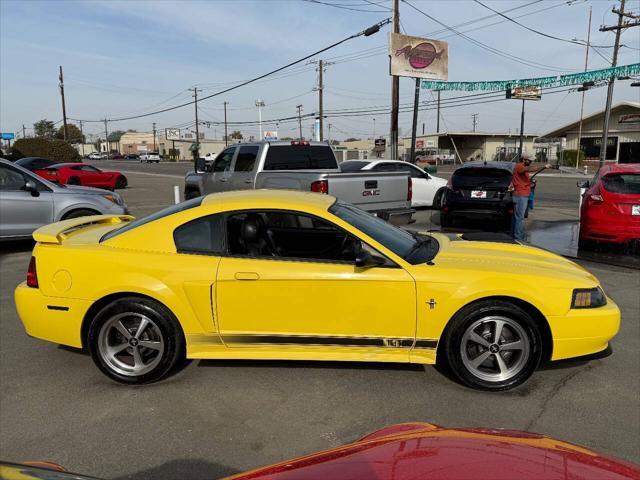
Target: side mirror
[(583, 184), (365, 260), (30, 186)]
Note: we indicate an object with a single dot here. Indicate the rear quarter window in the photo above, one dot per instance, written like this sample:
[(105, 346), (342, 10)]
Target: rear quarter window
[(203, 235), (300, 157)]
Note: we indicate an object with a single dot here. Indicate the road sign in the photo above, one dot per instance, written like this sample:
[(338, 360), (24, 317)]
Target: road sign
[(270, 135), (8, 136), (172, 133), (418, 57)]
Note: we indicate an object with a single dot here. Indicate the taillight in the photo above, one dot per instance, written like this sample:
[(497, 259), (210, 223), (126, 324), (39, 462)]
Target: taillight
[(32, 276), (409, 189), (300, 143), (596, 198), (320, 186)]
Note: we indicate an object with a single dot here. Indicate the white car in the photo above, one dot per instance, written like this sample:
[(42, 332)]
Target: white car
[(150, 157), (97, 156), (426, 187)]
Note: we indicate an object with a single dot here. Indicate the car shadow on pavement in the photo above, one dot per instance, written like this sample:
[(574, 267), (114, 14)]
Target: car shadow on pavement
[(328, 365), (184, 469), (16, 246)]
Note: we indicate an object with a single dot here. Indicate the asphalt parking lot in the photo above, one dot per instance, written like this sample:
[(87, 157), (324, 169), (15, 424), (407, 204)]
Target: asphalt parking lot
[(217, 418)]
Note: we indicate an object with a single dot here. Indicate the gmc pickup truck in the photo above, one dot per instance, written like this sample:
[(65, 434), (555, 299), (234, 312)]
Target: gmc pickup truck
[(306, 166)]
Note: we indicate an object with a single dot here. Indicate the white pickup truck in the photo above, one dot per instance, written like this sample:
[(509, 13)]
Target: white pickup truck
[(306, 166)]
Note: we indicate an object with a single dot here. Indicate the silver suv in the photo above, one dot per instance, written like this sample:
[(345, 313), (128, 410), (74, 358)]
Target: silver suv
[(28, 201)]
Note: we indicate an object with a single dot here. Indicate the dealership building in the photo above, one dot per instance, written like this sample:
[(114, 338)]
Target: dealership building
[(623, 143)]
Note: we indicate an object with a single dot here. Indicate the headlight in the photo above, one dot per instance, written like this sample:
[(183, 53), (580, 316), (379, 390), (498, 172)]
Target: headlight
[(588, 298), (113, 198)]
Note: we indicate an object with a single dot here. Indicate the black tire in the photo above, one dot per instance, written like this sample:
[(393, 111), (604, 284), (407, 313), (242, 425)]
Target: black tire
[(162, 328), (437, 199), (445, 220), (189, 194), (456, 347), (81, 212), (73, 181), (121, 182)]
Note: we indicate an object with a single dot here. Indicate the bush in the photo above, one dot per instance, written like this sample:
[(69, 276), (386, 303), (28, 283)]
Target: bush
[(56, 150), (567, 158)]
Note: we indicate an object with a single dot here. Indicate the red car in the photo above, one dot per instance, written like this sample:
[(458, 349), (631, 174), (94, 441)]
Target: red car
[(416, 451), (82, 174), (610, 209)]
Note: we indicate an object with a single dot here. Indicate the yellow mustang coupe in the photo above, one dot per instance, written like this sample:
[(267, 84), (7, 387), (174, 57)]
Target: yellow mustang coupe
[(288, 275)]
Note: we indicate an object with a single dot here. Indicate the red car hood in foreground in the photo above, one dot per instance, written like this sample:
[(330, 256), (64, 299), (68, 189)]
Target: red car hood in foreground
[(425, 451), (422, 451)]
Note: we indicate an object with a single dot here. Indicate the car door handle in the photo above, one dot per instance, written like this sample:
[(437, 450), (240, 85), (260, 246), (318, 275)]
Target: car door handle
[(248, 180), (223, 179), (247, 276)]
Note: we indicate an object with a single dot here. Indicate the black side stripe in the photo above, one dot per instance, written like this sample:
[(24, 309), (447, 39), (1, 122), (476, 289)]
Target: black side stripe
[(57, 307), (426, 344), (314, 340)]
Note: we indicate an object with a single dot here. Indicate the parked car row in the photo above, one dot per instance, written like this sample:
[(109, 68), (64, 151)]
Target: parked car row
[(149, 157)]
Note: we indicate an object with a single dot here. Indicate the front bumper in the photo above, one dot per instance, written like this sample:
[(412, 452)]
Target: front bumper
[(584, 331), (54, 319)]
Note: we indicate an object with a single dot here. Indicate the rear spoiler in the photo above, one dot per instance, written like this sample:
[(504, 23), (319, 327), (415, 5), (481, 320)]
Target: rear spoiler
[(57, 232)]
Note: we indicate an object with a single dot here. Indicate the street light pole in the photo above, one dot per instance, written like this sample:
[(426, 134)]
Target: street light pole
[(521, 131), (586, 63), (260, 104), (299, 107)]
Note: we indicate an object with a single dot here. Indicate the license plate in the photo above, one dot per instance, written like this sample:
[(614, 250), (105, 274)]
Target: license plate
[(635, 209), (478, 194)]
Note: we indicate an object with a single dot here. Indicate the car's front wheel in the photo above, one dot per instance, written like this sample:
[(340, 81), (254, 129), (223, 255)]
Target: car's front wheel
[(135, 340), (492, 345)]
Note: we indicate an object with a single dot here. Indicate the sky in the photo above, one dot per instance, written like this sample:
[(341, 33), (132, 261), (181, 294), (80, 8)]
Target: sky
[(123, 58)]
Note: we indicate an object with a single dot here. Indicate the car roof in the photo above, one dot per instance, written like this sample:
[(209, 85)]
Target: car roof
[(62, 165), (622, 168), (489, 164), (265, 198)]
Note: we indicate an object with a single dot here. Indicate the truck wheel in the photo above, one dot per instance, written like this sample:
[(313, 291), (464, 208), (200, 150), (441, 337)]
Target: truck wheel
[(445, 220), (437, 199), (189, 194)]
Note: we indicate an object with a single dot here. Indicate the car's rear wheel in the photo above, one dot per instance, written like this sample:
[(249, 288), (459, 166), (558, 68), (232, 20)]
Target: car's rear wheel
[(437, 199), (191, 193), (73, 181), (81, 212), (135, 340), (492, 345), (121, 182)]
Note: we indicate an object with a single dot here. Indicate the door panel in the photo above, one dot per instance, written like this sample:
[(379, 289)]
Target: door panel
[(244, 168), (21, 213), (312, 303)]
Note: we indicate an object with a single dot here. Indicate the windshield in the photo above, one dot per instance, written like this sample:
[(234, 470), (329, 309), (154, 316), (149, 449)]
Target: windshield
[(412, 248)]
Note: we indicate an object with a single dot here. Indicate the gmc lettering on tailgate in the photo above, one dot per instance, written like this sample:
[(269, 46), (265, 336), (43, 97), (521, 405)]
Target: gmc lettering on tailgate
[(370, 193)]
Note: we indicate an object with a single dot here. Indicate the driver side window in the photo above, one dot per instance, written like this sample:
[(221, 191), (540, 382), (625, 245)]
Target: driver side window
[(279, 234), (223, 162), (11, 180)]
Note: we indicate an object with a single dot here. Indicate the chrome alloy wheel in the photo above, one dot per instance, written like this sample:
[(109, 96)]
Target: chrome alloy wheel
[(131, 344), (495, 348)]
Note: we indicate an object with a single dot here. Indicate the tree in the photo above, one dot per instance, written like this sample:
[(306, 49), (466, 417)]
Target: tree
[(286, 139), (53, 149), (73, 134), (44, 128), (115, 135), (352, 140), (236, 135)]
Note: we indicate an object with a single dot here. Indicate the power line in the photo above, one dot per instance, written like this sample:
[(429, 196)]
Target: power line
[(367, 32)]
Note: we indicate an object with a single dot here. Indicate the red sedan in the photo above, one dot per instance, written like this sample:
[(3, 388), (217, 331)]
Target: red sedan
[(610, 209), (414, 451), (82, 174)]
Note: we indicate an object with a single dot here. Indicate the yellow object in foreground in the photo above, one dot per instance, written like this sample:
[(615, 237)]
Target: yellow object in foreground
[(288, 275)]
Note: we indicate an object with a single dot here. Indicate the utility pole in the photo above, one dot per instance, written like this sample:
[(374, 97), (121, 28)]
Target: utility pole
[(64, 109), (226, 137), (395, 90), (438, 114), (81, 139), (154, 136), (521, 131), (24, 131), (416, 100), (299, 107), (196, 152), (622, 24), (259, 104), (475, 121), (586, 63), (329, 133), (106, 138), (374, 128)]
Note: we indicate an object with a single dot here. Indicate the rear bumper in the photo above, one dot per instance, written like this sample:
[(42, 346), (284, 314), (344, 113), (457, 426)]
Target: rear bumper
[(584, 331), (460, 206), (54, 319), (603, 232)]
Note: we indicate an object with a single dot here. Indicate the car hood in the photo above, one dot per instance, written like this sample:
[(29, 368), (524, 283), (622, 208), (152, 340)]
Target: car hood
[(83, 190), (512, 259)]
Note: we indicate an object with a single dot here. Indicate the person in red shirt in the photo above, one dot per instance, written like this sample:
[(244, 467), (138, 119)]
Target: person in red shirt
[(521, 189)]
